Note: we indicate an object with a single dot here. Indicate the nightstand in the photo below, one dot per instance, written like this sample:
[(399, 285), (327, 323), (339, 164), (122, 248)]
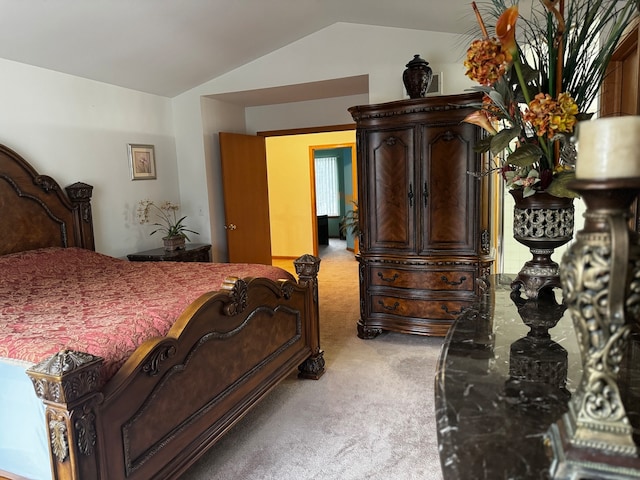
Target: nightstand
[(193, 252)]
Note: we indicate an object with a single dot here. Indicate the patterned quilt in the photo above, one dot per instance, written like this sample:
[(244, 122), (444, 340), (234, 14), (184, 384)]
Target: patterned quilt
[(70, 298)]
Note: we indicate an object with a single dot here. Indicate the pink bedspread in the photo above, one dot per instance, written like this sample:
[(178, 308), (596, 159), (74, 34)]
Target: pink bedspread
[(71, 298)]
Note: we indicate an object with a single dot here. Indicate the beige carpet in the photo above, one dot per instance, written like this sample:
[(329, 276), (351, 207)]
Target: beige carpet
[(371, 416)]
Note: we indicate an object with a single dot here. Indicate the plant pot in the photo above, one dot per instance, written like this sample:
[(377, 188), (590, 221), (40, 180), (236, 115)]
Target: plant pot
[(176, 242), (543, 223)]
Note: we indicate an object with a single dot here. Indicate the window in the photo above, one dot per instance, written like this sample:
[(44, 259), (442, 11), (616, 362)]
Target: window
[(327, 186)]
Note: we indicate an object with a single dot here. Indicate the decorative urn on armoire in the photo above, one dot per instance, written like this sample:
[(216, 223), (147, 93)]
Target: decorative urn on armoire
[(424, 220), (417, 77)]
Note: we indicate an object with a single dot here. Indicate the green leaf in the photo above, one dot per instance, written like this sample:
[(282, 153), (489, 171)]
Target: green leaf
[(530, 75), (483, 145), (497, 98), (479, 88), (503, 88), (559, 187), (501, 140), (583, 117), (526, 155)]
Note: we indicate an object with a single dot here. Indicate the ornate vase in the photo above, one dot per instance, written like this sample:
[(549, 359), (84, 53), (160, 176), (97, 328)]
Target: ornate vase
[(543, 223), (175, 242), (417, 77), (600, 276)]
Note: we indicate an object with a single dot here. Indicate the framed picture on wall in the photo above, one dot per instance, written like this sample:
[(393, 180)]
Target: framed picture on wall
[(142, 161)]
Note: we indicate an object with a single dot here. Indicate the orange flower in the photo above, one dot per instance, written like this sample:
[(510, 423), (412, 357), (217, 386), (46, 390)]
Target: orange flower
[(486, 61), (549, 116), (479, 118), (538, 113), (506, 30)]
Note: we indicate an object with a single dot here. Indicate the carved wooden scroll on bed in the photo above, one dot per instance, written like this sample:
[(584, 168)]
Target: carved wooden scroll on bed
[(176, 395)]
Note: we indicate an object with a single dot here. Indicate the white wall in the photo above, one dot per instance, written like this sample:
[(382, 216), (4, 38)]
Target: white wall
[(328, 111), (341, 50), (197, 121), (78, 130)]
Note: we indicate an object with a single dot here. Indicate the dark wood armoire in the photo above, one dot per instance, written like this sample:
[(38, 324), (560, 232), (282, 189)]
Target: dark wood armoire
[(424, 217)]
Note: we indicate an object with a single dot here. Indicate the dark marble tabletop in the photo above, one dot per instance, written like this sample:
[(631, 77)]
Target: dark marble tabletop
[(500, 384)]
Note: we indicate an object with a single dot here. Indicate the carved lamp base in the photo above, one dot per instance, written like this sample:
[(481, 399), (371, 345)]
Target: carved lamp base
[(572, 462), (600, 276)]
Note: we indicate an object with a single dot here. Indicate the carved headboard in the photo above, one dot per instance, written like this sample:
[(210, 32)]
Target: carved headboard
[(36, 213)]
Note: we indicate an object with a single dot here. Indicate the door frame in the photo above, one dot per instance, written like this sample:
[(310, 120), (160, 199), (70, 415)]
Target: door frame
[(312, 169), (311, 130)]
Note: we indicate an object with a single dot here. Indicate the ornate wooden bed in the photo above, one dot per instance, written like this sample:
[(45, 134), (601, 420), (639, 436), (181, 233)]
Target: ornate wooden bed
[(144, 423)]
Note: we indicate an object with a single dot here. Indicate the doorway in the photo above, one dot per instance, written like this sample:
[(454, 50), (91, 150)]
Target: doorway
[(291, 179), (333, 194)]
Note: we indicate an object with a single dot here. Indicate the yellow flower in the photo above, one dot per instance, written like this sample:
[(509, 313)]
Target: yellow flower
[(562, 168), (486, 61), (564, 117)]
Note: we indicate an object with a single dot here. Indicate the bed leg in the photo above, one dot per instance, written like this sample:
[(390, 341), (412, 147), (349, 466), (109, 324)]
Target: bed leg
[(307, 268), (312, 367), (68, 383)]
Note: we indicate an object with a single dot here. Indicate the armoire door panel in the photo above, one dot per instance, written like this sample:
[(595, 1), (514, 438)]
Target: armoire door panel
[(448, 212), (391, 201)]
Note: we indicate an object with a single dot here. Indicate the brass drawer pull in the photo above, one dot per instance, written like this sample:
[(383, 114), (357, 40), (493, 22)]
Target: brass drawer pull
[(386, 307), (452, 312), (392, 279), (449, 282)]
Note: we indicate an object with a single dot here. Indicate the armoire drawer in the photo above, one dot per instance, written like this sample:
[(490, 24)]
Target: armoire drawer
[(421, 279), (418, 308)]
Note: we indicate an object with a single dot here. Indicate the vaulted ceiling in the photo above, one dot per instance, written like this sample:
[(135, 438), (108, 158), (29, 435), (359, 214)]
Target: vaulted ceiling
[(166, 47)]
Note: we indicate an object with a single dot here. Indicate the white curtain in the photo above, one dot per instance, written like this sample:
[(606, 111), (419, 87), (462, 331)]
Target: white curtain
[(327, 189)]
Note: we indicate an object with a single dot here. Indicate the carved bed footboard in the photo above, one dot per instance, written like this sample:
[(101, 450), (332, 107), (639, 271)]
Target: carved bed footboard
[(178, 394)]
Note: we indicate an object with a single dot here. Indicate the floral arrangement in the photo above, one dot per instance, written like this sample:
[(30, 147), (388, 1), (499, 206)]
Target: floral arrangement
[(539, 82), (170, 224)]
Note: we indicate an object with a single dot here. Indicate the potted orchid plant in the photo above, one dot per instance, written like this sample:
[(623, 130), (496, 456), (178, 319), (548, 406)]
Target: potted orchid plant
[(173, 228)]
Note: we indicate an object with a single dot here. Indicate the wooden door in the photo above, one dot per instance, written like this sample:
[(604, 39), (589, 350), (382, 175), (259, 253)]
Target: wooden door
[(448, 194), (388, 190), (246, 198)]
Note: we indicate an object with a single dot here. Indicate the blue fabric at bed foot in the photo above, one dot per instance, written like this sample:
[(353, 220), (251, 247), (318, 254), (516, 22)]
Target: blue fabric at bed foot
[(23, 439)]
